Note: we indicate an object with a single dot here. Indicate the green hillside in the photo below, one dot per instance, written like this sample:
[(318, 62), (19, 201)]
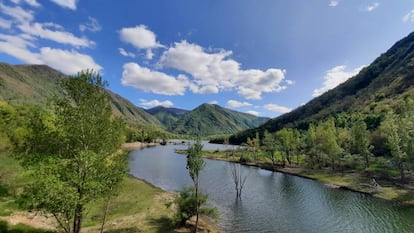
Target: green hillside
[(167, 116), (375, 89), (36, 84), (211, 119)]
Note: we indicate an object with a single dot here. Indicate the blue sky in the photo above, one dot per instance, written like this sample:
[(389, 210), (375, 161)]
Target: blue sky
[(265, 57)]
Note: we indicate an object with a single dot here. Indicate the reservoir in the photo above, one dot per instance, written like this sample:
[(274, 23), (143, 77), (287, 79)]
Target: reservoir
[(271, 201)]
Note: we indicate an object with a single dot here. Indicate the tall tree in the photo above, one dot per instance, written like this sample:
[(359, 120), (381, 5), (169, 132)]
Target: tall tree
[(195, 164), (288, 141), (269, 146), (327, 140), (399, 130), (360, 141), (254, 144), (75, 160)]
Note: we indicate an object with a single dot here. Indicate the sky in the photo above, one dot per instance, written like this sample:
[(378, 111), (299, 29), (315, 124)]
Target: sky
[(264, 57)]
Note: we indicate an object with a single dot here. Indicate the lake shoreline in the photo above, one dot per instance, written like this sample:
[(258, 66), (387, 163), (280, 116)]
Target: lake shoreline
[(354, 181)]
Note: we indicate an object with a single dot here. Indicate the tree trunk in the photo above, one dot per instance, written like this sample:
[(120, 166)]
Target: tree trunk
[(105, 214), (77, 221), (197, 206)]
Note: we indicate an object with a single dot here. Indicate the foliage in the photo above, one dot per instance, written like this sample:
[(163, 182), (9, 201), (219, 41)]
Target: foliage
[(187, 205), (74, 159)]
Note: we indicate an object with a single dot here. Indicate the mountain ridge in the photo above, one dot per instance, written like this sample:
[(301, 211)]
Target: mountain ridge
[(379, 86)]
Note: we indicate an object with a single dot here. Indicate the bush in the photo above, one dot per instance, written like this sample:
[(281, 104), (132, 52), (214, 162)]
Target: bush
[(3, 226), (186, 206)]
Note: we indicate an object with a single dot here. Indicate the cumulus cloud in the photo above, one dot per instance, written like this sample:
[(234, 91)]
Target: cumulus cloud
[(124, 53), (408, 17), (372, 6), (333, 3), (237, 104), (153, 81), (213, 72), (92, 25), (277, 108), (155, 103), (54, 32), (334, 77), (214, 102), (69, 62), (70, 4)]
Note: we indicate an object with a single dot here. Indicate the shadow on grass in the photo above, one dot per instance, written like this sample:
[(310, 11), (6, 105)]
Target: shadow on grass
[(405, 198), (162, 225), (125, 230)]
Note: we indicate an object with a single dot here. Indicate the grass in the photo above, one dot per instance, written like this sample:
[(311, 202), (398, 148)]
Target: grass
[(139, 206)]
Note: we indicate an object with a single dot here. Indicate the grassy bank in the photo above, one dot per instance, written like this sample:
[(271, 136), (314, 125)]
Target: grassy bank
[(355, 180)]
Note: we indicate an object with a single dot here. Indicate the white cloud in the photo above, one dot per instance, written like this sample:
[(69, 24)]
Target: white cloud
[(214, 102), (333, 3), (217, 70), (71, 4), (334, 77), (33, 3), (372, 6), (153, 81), (237, 104), (124, 53), (155, 103), (277, 108), (409, 17), (140, 37), (69, 62), (19, 14), (92, 25), (6, 24), (55, 32), (254, 113)]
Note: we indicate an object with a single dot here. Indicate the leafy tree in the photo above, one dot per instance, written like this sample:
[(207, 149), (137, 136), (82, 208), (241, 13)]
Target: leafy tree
[(360, 141), (74, 160), (195, 164), (327, 140), (269, 146), (254, 144), (288, 140), (399, 130)]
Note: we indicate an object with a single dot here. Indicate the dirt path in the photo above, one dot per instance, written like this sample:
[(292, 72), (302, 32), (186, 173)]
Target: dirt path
[(33, 219)]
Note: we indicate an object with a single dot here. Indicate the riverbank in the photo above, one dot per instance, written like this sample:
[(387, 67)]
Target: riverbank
[(130, 146), (357, 181)]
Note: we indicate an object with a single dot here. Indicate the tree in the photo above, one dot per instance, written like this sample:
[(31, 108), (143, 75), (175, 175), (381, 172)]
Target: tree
[(399, 130), (238, 178), (327, 140), (254, 144), (269, 146), (74, 160), (288, 141), (195, 164), (360, 141)]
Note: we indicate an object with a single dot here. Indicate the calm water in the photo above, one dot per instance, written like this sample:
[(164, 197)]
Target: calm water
[(271, 201)]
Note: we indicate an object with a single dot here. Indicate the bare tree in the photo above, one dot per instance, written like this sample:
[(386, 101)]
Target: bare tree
[(238, 178)]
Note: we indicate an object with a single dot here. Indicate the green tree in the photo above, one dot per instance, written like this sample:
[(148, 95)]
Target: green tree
[(254, 144), (195, 164), (399, 130), (74, 161), (327, 140), (288, 141), (269, 146), (360, 141)]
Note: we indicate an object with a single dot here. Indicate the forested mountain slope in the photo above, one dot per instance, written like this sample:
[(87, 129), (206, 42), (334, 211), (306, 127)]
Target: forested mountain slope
[(377, 87)]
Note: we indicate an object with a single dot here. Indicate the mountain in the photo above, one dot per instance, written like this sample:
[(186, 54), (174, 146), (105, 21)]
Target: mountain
[(211, 119), (378, 87), (167, 116), (36, 84)]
